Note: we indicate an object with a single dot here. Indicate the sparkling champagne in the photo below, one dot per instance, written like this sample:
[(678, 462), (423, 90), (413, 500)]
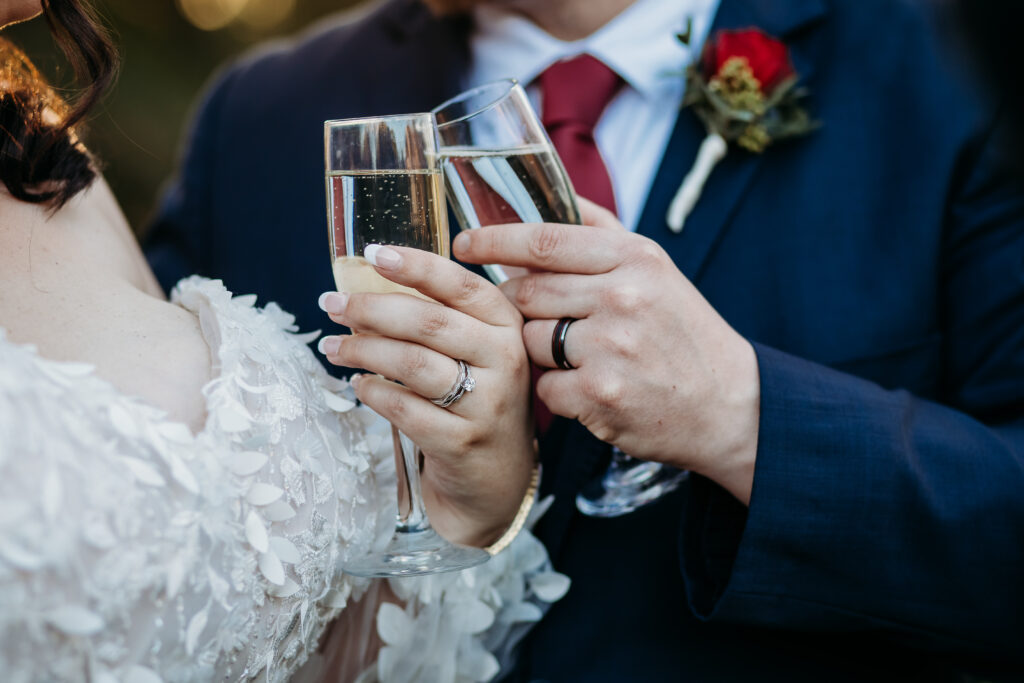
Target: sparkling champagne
[(402, 208), (519, 185), (356, 274)]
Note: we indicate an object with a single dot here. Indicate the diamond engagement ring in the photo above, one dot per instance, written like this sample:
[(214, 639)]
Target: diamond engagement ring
[(463, 383)]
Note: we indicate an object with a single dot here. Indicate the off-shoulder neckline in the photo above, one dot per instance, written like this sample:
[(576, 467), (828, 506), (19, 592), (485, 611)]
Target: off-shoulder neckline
[(210, 291)]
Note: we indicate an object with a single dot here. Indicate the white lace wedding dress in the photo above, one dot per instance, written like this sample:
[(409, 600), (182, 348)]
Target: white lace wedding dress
[(132, 550)]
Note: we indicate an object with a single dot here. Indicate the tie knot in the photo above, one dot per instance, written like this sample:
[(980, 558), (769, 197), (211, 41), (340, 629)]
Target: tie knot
[(577, 91)]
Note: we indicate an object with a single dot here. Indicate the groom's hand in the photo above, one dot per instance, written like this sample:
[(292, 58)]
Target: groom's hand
[(658, 372)]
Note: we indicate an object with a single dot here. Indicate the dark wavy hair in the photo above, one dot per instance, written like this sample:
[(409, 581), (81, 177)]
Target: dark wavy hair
[(42, 159)]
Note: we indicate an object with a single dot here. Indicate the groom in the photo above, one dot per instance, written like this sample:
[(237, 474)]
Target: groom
[(845, 372)]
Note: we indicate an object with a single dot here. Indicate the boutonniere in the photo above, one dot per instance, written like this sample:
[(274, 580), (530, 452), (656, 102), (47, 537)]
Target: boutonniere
[(744, 89)]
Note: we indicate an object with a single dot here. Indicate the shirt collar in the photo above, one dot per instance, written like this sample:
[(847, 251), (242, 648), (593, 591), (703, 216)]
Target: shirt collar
[(639, 44)]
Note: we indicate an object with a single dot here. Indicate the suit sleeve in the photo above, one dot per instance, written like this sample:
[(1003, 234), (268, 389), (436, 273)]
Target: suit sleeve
[(873, 509), (176, 242)]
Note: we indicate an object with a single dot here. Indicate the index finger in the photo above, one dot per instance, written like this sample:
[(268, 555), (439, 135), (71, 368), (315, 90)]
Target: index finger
[(444, 281), (553, 247)]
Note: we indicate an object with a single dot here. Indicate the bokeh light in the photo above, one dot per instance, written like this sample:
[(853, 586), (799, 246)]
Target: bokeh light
[(262, 15), (212, 15)]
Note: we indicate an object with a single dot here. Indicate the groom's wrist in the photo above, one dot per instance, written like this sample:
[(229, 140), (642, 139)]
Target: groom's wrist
[(732, 463)]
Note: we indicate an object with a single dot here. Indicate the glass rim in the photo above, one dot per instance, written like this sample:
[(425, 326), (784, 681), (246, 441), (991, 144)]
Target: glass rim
[(509, 83), (362, 120)]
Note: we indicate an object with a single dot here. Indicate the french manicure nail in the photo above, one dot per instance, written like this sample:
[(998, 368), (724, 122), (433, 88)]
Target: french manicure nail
[(381, 256), (333, 302), (354, 380), (329, 346)]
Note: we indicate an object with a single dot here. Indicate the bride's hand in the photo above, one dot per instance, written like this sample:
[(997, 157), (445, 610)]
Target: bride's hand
[(479, 451)]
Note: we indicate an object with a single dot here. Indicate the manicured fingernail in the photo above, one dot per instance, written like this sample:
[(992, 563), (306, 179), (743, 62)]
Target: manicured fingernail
[(383, 257), (329, 346), (333, 302), (354, 380), (461, 241)]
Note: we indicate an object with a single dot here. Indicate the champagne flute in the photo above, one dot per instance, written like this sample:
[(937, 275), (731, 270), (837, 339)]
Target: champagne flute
[(500, 167), (384, 187)]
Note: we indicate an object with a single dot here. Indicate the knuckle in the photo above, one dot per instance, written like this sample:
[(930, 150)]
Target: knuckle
[(604, 432), (413, 362), (485, 241), (396, 405), (606, 390), (433, 321), (468, 287), (355, 308), (647, 250), (526, 291), (625, 297), (350, 352), (548, 242)]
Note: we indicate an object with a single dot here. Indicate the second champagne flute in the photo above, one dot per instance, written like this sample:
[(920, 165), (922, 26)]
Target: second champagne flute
[(500, 167), (384, 187)]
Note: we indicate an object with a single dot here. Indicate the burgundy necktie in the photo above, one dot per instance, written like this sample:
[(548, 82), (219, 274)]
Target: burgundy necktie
[(574, 94)]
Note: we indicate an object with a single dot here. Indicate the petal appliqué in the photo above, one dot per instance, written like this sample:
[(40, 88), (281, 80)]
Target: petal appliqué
[(271, 568), (256, 532), (393, 625), (75, 620), (285, 550), (261, 494), (247, 462), (550, 586)]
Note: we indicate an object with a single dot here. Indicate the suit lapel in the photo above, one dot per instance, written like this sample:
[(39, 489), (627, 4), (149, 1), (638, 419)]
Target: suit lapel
[(730, 179)]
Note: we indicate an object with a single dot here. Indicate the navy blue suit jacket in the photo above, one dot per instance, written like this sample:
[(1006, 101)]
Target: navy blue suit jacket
[(878, 267)]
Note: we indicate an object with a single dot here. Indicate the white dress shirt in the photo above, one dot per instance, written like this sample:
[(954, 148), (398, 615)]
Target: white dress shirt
[(640, 44)]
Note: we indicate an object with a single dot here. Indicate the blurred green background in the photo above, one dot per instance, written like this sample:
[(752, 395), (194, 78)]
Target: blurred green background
[(169, 50)]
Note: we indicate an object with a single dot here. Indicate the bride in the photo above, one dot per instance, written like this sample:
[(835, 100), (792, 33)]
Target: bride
[(181, 482)]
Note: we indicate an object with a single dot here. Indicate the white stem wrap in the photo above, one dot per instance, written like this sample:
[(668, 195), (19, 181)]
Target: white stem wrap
[(711, 151)]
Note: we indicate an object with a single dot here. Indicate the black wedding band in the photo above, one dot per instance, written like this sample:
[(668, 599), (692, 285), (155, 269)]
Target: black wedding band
[(558, 344)]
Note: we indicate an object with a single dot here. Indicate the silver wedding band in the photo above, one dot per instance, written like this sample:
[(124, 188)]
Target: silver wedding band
[(558, 343), (463, 383)]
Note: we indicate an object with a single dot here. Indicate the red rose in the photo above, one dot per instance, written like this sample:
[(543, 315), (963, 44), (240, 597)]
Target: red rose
[(768, 58)]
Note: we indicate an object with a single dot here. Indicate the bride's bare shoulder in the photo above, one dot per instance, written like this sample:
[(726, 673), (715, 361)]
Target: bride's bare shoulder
[(75, 285)]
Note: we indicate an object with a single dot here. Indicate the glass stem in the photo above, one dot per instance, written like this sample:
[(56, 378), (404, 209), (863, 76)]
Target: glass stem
[(412, 514), (621, 458)]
